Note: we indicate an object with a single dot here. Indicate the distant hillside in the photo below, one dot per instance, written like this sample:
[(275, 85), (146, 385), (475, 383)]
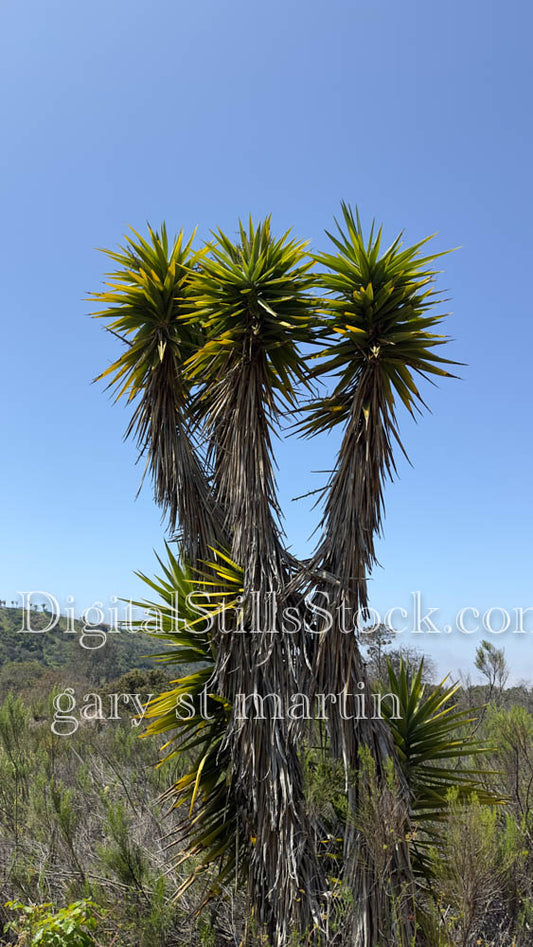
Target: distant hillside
[(57, 649)]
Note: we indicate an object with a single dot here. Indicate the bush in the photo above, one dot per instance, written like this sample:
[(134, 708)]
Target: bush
[(68, 927)]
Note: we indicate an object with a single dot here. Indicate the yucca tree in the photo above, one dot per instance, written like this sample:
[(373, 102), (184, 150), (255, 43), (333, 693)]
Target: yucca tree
[(217, 352), (379, 325)]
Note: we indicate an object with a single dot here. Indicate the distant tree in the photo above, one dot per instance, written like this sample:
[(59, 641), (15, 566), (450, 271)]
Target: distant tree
[(411, 658), (493, 665), (376, 641)]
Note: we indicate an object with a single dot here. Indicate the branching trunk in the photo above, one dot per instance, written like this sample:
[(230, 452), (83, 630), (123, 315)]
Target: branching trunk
[(285, 874), (382, 905)]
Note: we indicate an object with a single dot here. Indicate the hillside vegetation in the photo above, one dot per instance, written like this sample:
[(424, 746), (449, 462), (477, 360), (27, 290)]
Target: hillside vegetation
[(82, 831), (58, 654)]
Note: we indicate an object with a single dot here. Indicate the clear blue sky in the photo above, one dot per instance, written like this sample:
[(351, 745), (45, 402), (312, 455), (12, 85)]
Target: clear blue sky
[(117, 113)]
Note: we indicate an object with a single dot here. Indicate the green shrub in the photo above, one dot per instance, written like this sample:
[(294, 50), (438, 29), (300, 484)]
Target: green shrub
[(41, 924)]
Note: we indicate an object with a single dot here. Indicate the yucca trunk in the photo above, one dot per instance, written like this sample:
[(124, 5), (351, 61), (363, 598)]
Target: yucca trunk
[(181, 486), (262, 660), (382, 906)]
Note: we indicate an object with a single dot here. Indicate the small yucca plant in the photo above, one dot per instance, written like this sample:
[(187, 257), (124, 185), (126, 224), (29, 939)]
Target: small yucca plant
[(195, 717), (437, 752)]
